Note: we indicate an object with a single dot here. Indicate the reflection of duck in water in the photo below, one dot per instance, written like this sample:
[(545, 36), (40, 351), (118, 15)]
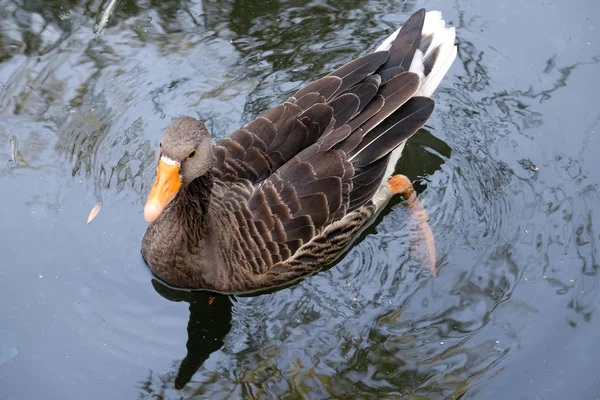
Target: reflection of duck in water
[(286, 194), (209, 323)]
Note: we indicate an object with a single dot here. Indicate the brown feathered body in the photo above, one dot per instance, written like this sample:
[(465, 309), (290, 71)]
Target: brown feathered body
[(288, 192)]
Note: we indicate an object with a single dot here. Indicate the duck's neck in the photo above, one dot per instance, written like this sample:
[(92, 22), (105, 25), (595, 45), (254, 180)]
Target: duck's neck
[(173, 244), (192, 204)]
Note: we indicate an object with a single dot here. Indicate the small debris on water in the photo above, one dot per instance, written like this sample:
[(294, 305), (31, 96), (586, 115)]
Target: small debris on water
[(13, 150), (528, 165), (94, 212)]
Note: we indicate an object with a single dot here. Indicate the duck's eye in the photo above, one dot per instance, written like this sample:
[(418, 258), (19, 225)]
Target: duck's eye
[(192, 154), (160, 145)]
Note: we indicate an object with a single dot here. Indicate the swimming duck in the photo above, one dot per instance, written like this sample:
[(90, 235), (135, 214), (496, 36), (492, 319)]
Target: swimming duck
[(286, 194)]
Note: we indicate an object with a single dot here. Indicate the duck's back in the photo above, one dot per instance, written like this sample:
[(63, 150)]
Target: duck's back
[(300, 181), (291, 189)]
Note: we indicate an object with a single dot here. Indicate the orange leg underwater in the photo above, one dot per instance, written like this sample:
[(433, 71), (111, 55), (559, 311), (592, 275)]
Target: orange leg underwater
[(400, 184)]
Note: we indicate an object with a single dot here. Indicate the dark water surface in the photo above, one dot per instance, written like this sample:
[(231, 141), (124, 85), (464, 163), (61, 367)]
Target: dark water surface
[(508, 168)]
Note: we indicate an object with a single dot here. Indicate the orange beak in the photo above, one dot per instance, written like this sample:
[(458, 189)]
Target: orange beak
[(166, 185)]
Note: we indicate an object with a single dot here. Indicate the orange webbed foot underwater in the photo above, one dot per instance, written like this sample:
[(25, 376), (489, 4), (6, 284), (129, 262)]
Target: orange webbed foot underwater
[(400, 184)]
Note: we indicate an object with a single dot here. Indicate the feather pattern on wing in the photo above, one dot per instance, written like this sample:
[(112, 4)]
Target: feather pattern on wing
[(292, 188)]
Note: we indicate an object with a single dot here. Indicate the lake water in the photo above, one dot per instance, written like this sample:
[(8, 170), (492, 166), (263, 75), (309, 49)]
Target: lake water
[(507, 167)]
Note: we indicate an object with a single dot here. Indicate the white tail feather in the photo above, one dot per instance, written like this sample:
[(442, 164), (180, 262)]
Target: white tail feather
[(387, 43), (441, 37)]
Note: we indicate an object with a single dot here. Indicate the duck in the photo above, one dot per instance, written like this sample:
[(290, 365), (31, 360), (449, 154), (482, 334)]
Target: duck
[(285, 195)]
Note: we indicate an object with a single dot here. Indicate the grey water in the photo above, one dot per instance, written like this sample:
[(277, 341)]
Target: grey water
[(507, 168)]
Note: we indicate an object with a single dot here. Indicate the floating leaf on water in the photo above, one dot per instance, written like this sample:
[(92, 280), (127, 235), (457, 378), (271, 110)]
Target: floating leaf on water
[(94, 212), (210, 300)]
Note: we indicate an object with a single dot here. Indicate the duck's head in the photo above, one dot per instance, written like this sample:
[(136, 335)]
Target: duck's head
[(185, 154)]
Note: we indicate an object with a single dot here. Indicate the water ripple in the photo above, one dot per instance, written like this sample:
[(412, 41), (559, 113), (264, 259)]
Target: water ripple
[(511, 190)]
